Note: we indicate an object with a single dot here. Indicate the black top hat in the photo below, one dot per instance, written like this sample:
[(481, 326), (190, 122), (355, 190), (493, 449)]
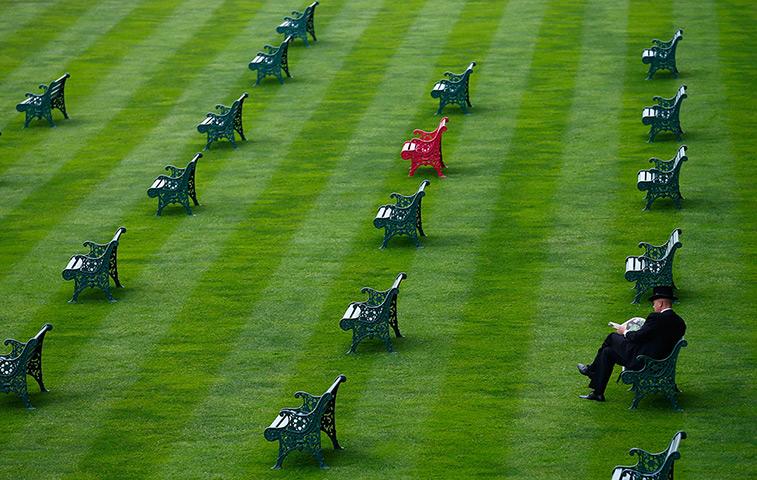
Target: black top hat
[(663, 292)]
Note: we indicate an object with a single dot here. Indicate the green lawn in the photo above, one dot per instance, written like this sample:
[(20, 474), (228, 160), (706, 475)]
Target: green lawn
[(226, 314)]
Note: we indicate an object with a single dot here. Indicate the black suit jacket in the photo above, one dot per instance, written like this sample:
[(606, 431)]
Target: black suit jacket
[(656, 338)]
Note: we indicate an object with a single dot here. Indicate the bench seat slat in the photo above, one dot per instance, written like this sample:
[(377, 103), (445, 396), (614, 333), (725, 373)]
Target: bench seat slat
[(281, 421)]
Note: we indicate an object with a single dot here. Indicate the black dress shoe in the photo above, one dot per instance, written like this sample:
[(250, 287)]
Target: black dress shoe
[(584, 370), (594, 396)]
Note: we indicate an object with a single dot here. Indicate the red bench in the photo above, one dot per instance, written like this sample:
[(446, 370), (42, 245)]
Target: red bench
[(426, 149)]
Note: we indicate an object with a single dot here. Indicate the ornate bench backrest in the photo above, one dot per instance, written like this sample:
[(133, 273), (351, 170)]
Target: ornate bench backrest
[(672, 455), (57, 89), (309, 12), (327, 419), (680, 94), (673, 243)]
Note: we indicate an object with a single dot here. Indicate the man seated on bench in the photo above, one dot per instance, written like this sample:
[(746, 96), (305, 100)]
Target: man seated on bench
[(656, 338)]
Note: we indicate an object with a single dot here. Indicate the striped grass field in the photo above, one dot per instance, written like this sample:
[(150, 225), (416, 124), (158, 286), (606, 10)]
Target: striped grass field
[(226, 314)]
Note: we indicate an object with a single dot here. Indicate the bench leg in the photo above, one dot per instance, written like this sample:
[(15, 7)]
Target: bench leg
[(282, 455), (673, 401), (18, 386), (388, 344), (387, 237), (77, 291), (639, 293), (189, 212), (636, 400), (414, 236), (321, 463), (107, 292)]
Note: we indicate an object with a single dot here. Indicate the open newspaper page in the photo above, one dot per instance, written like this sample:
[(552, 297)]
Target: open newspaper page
[(632, 324)]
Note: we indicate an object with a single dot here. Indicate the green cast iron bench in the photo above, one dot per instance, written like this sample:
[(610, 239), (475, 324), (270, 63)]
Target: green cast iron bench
[(662, 180), (224, 123), (41, 106), (656, 376), (373, 317), (272, 62), (402, 218), (662, 55), (655, 267), (176, 187), (454, 89), (24, 359), (652, 466), (665, 116), (300, 428), (92, 270), (300, 24)]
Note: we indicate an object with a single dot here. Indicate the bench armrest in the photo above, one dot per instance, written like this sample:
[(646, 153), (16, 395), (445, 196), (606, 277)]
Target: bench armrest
[(662, 165), (402, 201), (453, 77), (222, 110), (653, 252), (375, 297), (95, 249), (16, 347), (271, 50), (309, 403), (663, 102), (174, 171), (42, 87), (648, 462), (423, 135)]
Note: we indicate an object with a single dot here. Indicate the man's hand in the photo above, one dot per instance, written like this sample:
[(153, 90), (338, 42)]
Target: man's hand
[(621, 329)]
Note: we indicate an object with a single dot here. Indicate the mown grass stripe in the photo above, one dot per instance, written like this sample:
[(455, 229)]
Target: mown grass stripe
[(543, 437), (520, 208), (736, 52)]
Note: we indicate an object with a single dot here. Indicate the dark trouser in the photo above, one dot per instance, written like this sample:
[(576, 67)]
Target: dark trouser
[(607, 357)]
